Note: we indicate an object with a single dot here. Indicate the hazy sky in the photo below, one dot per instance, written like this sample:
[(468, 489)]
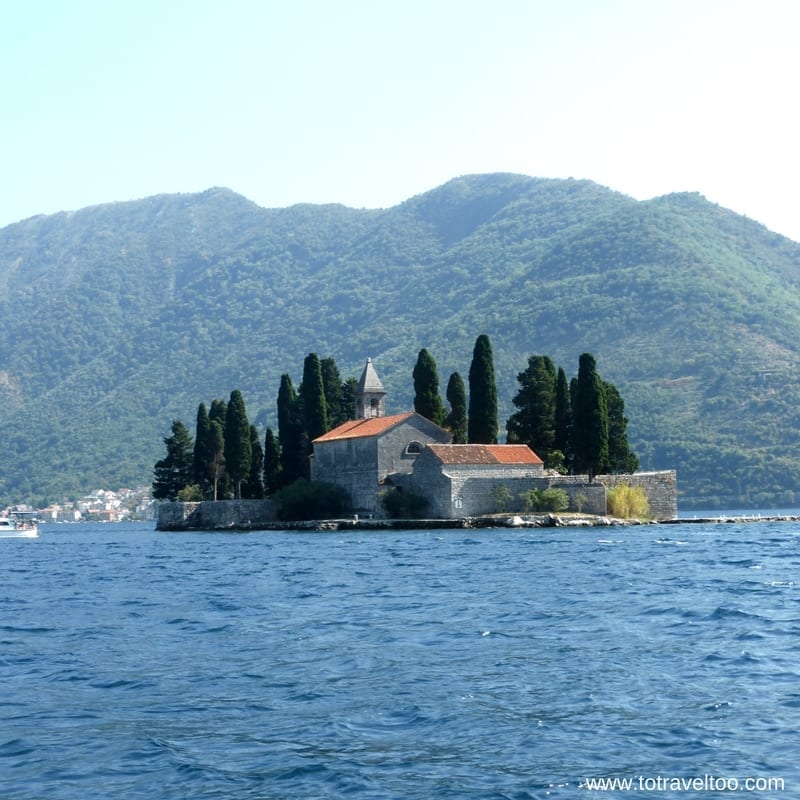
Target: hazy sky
[(369, 103)]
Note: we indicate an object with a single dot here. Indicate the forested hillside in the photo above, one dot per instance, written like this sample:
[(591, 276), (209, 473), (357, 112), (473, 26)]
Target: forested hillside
[(121, 317)]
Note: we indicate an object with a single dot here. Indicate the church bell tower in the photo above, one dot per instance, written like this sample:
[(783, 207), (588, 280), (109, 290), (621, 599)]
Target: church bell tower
[(370, 396)]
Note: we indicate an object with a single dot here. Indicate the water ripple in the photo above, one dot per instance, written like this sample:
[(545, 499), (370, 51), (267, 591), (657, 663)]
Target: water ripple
[(406, 664)]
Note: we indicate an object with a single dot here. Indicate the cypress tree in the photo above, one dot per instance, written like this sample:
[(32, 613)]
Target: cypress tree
[(482, 422), (238, 452), (272, 463), (620, 457), (219, 412), (200, 463), (174, 472), (216, 451), (253, 486), (312, 392), (427, 400), (456, 421), (349, 392), (534, 423), (590, 419), (333, 387), (563, 429), (291, 434)]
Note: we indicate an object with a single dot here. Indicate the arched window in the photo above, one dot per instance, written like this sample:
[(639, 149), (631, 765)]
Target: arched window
[(413, 448)]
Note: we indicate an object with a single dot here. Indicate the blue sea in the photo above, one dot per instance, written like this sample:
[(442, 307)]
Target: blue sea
[(525, 663)]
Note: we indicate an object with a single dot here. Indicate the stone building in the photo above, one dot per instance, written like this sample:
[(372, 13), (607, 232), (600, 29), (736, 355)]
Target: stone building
[(375, 453), (360, 454), (461, 480)]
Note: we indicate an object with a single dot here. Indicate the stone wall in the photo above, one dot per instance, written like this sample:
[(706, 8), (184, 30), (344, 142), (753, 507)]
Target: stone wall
[(584, 497), (352, 464), (471, 494), (212, 516), (661, 489), (465, 491)]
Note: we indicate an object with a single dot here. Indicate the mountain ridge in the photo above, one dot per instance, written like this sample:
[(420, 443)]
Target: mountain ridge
[(145, 308)]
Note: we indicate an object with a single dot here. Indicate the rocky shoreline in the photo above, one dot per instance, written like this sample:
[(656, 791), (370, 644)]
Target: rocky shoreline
[(493, 521)]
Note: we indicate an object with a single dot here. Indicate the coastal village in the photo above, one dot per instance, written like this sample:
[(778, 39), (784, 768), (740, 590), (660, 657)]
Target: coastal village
[(100, 505)]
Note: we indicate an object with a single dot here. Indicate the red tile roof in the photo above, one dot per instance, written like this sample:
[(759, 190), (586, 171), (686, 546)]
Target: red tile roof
[(485, 454), (358, 428)]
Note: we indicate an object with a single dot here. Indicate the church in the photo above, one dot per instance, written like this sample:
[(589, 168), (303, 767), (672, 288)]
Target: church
[(376, 452)]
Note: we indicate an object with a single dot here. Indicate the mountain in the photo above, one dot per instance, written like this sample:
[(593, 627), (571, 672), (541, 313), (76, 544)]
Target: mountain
[(122, 317)]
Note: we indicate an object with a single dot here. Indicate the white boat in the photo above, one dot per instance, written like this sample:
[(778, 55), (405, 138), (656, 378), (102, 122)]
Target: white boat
[(17, 526)]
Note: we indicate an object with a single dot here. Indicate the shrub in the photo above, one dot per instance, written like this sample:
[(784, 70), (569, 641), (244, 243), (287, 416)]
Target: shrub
[(502, 496), (190, 494), (625, 501), (303, 500), (403, 504), (551, 499)]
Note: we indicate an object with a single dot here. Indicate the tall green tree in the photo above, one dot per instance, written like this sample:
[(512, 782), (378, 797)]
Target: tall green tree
[(427, 400), (349, 393), (456, 421), (238, 452), (291, 434), (272, 463), (620, 456), (482, 423), (312, 398), (563, 429), (332, 384), (174, 472), (218, 411), (534, 422), (590, 419), (201, 458), (253, 485), (216, 464)]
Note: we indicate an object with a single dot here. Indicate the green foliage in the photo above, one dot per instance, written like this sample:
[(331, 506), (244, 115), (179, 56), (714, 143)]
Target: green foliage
[(620, 457), (403, 504), (291, 434), (456, 419), (502, 497), (482, 422), (550, 499), (305, 500), (427, 400), (201, 456), (216, 462), (272, 463), (217, 416), (627, 502), (253, 486), (590, 420), (174, 471), (190, 494), (534, 423), (694, 312), (238, 451), (338, 403), (562, 439), (312, 399)]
